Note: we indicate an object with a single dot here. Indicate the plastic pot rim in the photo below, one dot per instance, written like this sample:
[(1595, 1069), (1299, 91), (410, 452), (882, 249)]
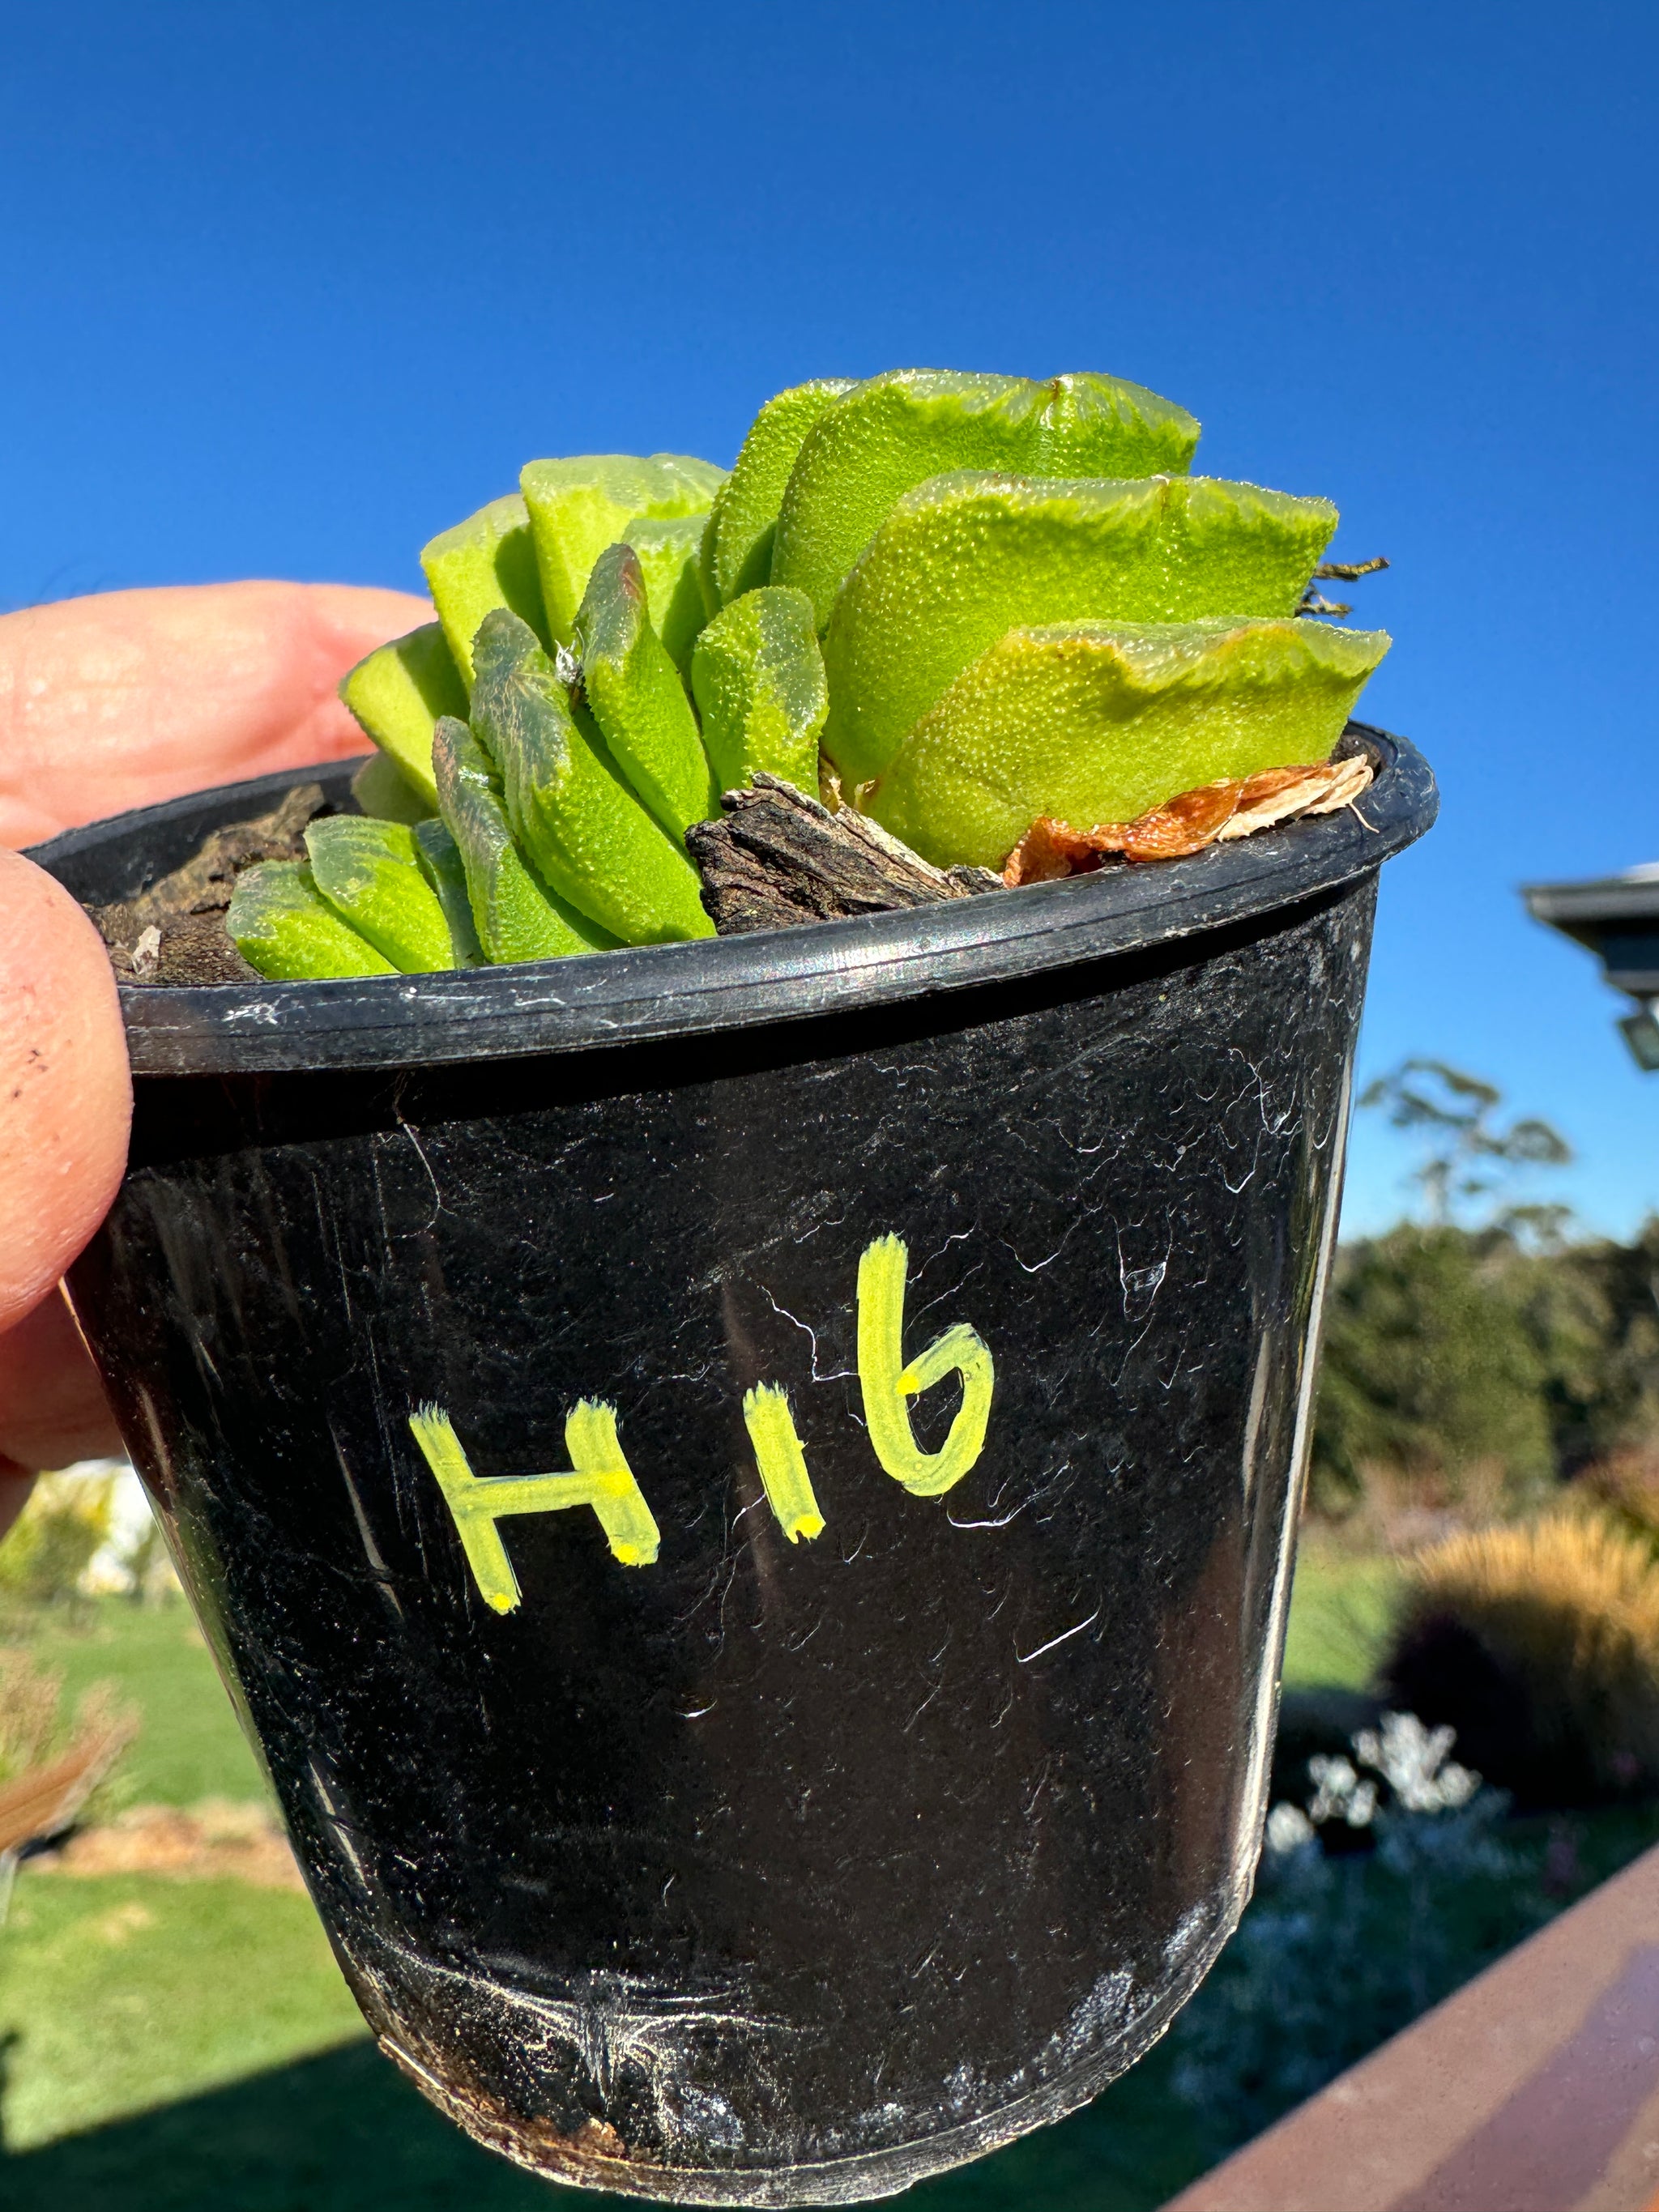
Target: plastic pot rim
[(642, 993)]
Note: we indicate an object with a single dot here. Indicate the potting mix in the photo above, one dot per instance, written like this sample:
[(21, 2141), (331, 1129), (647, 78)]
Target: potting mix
[(994, 620)]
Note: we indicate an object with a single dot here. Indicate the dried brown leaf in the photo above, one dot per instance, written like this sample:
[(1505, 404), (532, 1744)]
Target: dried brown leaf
[(1183, 824), (1231, 807), (1048, 850)]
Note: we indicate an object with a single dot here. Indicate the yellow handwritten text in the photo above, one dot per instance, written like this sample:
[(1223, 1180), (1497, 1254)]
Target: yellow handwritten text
[(781, 1461), (601, 1477), (887, 1380)]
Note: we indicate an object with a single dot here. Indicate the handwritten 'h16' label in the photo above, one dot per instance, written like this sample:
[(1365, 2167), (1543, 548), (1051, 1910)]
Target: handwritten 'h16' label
[(601, 1479)]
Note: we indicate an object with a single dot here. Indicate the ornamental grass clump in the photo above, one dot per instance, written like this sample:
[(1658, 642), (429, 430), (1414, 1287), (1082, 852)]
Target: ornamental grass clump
[(1540, 1646), (961, 605)]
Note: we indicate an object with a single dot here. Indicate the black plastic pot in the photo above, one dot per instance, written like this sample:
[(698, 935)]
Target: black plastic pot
[(776, 1869)]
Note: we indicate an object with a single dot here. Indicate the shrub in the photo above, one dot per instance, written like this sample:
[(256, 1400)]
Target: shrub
[(35, 1727), (31, 1700), (1625, 1487), (1540, 1646), (1340, 1950), (62, 1526)]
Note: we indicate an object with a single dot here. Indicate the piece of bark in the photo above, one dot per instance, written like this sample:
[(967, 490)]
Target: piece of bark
[(174, 931), (779, 857)]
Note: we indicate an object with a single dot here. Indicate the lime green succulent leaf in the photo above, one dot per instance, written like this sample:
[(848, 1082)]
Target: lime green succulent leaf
[(1095, 722), (887, 436), (670, 555), (488, 561), (384, 792), (516, 915), (569, 806), (738, 548), (396, 695), (967, 556), (439, 859), (758, 676), (635, 696), (281, 924), (580, 504), (369, 874)]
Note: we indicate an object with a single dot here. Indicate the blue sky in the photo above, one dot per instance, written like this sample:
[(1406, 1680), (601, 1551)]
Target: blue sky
[(282, 291)]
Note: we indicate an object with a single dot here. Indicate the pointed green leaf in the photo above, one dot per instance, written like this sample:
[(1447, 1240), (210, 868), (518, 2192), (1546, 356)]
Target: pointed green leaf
[(580, 504), (1095, 722), (637, 697), (281, 924), (516, 915), (488, 561), (745, 515), (384, 792), (670, 555), (368, 874), (758, 677), (967, 556), (894, 432), (396, 695), (439, 859), (567, 803)]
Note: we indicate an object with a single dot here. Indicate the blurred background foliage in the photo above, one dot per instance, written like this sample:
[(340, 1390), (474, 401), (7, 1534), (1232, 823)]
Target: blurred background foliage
[(1478, 1356)]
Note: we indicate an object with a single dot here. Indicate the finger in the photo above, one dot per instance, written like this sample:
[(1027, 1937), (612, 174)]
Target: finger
[(65, 1092), (52, 1407), (129, 697)]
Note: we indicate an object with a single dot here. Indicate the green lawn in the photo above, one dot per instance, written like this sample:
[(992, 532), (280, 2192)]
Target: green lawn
[(191, 1745), (129, 1990), (1339, 1608)]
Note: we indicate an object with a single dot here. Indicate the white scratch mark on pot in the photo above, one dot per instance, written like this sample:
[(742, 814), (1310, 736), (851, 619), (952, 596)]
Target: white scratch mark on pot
[(1188, 1929), (1252, 1418), (378, 1566), (923, 1706), (261, 1011), (700, 1712), (1065, 1637), (337, 1824), (1139, 1287), (957, 1236), (1102, 2010), (1037, 1266), (951, 1291), (812, 1336), (413, 1136), (1000, 1523), (612, 2025)]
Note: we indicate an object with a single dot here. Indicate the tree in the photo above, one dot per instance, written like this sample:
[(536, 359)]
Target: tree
[(1430, 1367), (1467, 1156)]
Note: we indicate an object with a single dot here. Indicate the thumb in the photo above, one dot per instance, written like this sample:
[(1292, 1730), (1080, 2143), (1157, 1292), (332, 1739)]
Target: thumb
[(66, 1092)]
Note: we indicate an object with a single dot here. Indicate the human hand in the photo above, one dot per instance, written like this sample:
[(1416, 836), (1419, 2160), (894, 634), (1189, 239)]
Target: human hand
[(108, 703)]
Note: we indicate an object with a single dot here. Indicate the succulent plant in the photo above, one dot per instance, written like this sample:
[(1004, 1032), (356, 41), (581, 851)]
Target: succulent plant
[(961, 603)]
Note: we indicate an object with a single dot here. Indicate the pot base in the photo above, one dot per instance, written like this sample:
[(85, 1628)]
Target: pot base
[(594, 2156)]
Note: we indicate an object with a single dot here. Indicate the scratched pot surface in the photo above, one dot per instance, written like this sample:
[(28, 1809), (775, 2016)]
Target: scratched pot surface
[(788, 1712)]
